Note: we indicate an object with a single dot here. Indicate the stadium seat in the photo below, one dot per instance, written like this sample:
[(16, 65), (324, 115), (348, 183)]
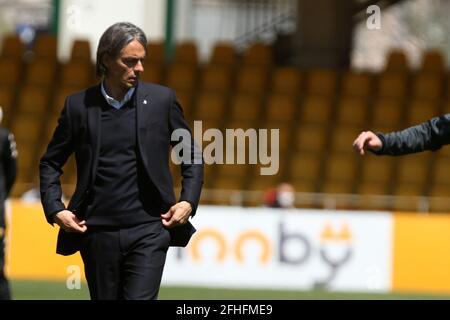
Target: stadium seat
[(223, 54), (211, 106), (245, 107), (153, 72), (433, 61), (186, 53), (397, 61), (316, 110), (322, 82), (387, 114), (281, 108), (392, 85), (12, 47), (81, 51), (33, 100), (182, 77), (287, 80), (217, 78), (422, 110), (352, 111), (45, 47), (342, 138), (259, 55), (252, 80), (355, 84), (41, 72), (305, 166), (311, 138), (77, 73), (7, 102), (427, 86), (13, 69), (340, 170), (155, 52)]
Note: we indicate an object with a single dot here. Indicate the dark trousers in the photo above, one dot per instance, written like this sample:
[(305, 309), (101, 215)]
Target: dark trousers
[(125, 263), (4, 287)]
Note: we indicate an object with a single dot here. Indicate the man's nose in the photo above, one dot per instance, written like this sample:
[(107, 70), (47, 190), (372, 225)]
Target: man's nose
[(139, 67)]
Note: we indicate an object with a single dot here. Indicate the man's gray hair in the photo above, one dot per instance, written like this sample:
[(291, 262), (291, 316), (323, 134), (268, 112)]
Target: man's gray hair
[(114, 39)]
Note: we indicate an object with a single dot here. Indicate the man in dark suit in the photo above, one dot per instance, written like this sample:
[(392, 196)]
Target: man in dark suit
[(123, 214), (8, 168)]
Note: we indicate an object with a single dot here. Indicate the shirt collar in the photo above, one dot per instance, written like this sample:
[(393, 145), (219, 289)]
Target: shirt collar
[(113, 102)]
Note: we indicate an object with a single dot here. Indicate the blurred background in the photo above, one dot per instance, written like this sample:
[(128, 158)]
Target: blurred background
[(320, 71)]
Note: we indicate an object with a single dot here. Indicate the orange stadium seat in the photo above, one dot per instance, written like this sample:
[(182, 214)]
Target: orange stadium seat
[(422, 110), (11, 71), (258, 54), (33, 100), (281, 108), (41, 73), (45, 47), (217, 78), (316, 110), (155, 52), (428, 86), (81, 51), (12, 47), (433, 61), (397, 61), (322, 82), (186, 53), (182, 77), (356, 84), (392, 85), (286, 80), (352, 111), (223, 54), (311, 138), (211, 106), (78, 73), (245, 107), (252, 80)]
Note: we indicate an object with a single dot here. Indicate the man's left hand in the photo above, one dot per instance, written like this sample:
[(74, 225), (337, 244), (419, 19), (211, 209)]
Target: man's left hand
[(177, 215)]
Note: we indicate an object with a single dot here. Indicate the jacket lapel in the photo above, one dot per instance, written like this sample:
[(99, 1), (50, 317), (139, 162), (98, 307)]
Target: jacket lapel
[(93, 119), (143, 114)]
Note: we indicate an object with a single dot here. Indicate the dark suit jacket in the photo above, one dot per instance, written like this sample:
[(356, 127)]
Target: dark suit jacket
[(158, 115)]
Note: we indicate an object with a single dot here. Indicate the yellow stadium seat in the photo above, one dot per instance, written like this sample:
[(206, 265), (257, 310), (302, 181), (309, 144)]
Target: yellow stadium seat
[(34, 100), (422, 110), (45, 47), (77, 73), (342, 138), (13, 69), (155, 52), (396, 61), (182, 77), (428, 86)]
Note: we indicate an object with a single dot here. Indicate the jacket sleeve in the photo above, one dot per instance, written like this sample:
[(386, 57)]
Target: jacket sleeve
[(430, 135), (192, 171), (10, 162), (50, 167)]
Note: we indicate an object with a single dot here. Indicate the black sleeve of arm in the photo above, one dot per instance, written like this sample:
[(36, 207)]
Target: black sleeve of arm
[(10, 162), (192, 172), (430, 135), (50, 167)]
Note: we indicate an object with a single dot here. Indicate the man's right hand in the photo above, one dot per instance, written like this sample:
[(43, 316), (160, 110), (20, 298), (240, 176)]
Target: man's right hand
[(69, 222), (367, 140)]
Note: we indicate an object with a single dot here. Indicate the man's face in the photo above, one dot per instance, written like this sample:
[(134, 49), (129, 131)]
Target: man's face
[(125, 70)]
